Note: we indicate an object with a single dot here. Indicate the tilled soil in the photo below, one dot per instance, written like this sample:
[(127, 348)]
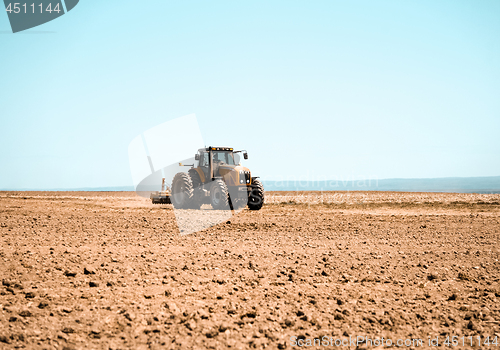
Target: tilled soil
[(83, 270)]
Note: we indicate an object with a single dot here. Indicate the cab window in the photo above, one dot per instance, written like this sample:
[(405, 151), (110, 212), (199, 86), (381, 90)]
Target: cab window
[(230, 158), (224, 157), (204, 159)]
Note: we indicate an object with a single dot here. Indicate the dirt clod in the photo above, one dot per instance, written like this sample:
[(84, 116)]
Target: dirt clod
[(88, 270)]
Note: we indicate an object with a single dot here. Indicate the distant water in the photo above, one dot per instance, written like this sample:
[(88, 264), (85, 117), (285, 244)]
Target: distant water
[(490, 184)]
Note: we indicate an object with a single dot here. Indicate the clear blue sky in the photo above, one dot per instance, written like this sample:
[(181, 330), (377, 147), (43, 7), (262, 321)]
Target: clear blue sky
[(335, 89)]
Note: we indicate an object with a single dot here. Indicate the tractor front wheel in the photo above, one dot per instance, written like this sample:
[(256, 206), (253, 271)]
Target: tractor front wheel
[(256, 197), (219, 195)]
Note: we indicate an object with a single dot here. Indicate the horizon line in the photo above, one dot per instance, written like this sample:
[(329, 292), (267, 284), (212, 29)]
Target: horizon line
[(126, 188)]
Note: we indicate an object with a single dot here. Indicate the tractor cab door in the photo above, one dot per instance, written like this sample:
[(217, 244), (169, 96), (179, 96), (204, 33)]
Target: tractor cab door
[(219, 158), (205, 166)]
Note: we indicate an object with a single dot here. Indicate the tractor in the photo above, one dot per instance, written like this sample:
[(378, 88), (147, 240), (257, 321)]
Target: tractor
[(219, 180)]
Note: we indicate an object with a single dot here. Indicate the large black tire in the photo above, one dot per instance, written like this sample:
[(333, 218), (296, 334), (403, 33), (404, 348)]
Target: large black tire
[(219, 195), (198, 195), (256, 197), (182, 191)]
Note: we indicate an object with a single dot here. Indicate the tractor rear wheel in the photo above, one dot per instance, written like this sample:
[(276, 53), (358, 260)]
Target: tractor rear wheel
[(182, 191), (198, 194), (219, 195), (256, 197)]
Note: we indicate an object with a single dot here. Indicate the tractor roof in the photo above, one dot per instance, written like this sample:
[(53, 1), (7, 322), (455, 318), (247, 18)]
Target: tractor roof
[(212, 148)]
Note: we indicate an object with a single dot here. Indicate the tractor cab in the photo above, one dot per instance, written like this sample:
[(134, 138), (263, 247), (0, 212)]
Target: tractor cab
[(216, 162)]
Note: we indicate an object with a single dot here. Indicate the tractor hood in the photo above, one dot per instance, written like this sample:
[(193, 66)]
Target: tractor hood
[(235, 175), (227, 167)]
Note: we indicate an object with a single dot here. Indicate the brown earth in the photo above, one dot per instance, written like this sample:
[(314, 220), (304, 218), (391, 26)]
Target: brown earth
[(110, 271)]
